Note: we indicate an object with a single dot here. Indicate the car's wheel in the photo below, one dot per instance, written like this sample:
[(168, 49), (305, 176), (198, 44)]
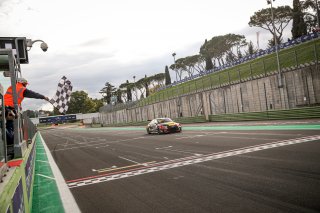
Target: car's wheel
[(159, 131), (148, 131)]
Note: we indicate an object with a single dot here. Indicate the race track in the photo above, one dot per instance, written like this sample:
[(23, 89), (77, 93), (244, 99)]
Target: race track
[(244, 168)]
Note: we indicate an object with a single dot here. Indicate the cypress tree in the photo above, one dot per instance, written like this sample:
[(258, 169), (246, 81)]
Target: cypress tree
[(168, 78), (209, 64), (299, 27), (146, 85)]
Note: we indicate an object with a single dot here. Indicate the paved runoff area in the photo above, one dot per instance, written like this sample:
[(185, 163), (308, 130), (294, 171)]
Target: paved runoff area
[(210, 167)]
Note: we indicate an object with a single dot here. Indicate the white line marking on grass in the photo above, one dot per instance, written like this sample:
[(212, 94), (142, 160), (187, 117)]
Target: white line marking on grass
[(46, 176), (42, 161), (170, 164)]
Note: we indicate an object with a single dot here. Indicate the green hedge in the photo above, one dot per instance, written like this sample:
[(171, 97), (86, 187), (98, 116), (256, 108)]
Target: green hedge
[(296, 113)]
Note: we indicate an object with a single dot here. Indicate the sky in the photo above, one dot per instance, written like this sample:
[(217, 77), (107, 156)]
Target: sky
[(98, 41)]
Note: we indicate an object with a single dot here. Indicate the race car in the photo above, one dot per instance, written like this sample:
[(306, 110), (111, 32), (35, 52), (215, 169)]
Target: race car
[(163, 125)]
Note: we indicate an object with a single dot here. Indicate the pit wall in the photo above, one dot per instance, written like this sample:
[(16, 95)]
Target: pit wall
[(16, 190), (301, 88)]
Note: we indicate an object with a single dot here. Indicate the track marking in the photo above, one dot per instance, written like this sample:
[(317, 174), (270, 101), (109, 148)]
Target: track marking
[(113, 168), (182, 151), (188, 137), (90, 145), (184, 162), (42, 161), (163, 147), (129, 160), (46, 176)]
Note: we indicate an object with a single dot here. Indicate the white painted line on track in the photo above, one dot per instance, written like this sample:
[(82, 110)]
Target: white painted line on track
[(188, 137), (163, 147), (113, 168), (129, 160), (182, 151), (185, 161), (96, 144)]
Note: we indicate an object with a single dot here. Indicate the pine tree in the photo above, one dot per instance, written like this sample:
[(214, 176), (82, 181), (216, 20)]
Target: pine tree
[(168, 78)]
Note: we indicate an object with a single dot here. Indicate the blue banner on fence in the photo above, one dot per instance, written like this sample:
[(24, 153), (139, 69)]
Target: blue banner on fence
[(17, 200), (58, 119)]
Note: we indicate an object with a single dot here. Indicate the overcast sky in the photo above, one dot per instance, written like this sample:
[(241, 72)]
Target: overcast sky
[(92, 42)]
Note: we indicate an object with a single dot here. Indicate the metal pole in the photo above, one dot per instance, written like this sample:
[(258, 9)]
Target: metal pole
[(276, 45), (174, 60)]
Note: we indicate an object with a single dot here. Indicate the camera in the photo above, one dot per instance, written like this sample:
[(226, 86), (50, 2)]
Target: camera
[(44, 47)]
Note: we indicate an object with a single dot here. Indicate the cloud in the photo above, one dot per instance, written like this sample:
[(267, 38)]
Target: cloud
[(92, 43)]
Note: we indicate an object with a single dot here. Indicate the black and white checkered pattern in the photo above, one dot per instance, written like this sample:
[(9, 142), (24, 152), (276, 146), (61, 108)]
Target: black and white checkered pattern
[(62, 96)]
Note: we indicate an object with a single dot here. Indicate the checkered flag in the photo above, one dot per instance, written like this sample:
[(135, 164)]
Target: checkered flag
[(62, 96)]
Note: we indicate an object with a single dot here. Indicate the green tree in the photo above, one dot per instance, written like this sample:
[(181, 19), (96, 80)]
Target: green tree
[(178, 67), (118, 93), (299, 27), (168, 78), (127, 87), (81, 103), (310, 12), (207, 56), (263, 19), (251, 49), (146, 84), (220, 47), (107, 92), (98, 103)]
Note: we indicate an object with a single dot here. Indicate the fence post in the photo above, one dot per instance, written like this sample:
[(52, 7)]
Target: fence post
[(211, 80), (296, 58), (251, 72), (264, 67), (239, 75), (229, 77), (315, 53), (202, 83)]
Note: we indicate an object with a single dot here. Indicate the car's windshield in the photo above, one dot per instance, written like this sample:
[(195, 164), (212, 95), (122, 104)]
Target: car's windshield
[(164, 120)]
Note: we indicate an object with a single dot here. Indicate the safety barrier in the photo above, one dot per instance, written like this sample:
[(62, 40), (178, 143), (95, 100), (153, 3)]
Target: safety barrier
[(187, 120), (16, 190), (295, 113), (183, 120)]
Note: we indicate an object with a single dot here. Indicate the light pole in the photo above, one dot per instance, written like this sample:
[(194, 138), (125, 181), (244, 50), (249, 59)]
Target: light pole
[(174, 60), (276, 44)]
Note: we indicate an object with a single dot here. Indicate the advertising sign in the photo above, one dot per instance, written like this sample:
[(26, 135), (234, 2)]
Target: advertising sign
[(17, 200), (29, 170)]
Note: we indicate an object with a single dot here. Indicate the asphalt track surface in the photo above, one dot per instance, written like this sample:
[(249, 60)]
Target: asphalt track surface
[(263, 167)]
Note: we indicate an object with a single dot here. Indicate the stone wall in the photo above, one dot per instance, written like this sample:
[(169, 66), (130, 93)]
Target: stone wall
[(301, 87)]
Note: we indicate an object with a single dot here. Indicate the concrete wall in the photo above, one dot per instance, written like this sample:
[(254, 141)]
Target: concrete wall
[(301, 87)]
